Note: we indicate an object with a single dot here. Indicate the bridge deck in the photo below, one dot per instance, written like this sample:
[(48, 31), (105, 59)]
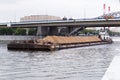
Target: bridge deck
[(66, 23)]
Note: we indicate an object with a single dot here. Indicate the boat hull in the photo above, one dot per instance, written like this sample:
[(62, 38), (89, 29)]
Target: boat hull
[(32, 46)]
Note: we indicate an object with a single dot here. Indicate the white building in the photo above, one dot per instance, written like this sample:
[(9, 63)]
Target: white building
[(39, 17)]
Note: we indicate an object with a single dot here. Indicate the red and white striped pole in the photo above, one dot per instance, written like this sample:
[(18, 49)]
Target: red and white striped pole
[(109, 15), (109, 9), (104, 9)]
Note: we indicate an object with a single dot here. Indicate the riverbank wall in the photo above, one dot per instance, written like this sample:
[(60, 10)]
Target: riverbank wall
[(8, 39)]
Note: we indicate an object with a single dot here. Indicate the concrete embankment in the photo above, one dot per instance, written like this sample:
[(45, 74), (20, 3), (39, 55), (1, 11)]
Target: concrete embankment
[(113, 72), (8, 39)]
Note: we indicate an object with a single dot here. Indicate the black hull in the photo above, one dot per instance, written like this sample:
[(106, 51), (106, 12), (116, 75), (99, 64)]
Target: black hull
[(36, 47)]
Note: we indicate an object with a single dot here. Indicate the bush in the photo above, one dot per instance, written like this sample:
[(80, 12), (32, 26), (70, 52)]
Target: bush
[(32, 31), (20, 31), (87, 32), (6, 31)]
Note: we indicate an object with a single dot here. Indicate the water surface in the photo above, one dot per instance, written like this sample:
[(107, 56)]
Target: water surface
[(85, 63)]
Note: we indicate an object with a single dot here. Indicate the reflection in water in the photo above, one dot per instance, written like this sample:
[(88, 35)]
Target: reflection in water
[(85, 63)]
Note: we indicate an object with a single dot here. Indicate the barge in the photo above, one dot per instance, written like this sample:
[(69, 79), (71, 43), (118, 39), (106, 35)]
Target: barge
[(51, 43)]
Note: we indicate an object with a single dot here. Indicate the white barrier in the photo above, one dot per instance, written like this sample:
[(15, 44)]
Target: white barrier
[(113, 72), (10, 38)]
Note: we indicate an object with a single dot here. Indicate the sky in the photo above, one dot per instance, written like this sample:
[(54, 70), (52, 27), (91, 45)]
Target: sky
[(13, 10)]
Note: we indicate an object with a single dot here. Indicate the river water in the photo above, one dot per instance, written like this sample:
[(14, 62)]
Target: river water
[(85, 63)]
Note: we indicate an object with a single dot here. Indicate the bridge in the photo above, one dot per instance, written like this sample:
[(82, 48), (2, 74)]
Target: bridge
[(65, 23), (53, 27)]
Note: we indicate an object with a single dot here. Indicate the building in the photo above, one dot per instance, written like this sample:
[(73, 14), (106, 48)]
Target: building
[(39, 18), (42, 31)]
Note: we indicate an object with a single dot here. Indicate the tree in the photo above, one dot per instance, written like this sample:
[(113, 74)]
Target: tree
[(9, 31), (88, 32), (2, 31), (20, 31), (32, 31), (6, 31)]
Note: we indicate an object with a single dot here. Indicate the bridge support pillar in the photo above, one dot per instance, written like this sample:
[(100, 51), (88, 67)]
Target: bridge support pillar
[(53, 30), (45, 31), (27, 31), (42, 31), (70, 29)]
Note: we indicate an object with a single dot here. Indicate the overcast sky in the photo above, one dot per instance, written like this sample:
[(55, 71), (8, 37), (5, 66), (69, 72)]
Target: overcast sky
[(12, 10)]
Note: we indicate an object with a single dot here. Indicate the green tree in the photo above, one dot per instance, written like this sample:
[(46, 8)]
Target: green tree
[(6, 31), (9, 31), (32, 31), (2, 31), (20, 31), (114, 33), (88, 32)]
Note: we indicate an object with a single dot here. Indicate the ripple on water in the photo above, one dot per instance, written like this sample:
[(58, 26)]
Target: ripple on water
[(85, 63)]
